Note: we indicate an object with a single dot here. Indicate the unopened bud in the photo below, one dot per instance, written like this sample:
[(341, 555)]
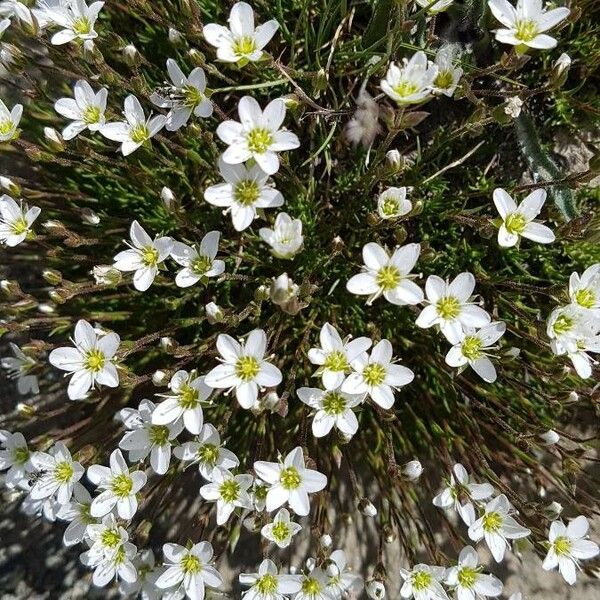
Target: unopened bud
[(214, 313), (196, 57), (106, 275), (560, 70), (367, 508), (271, 401), (52, 276), (412, 470), (261, 293), (167, 343), (10, 186), (549, 438), (375, 589), (159, 378), (393, 158), (26, 410), (54, 139), (131, 55), (553, 510), (168, 197), (46, 309), (325, 541), (283, 289), (89, 216), (175, 36)]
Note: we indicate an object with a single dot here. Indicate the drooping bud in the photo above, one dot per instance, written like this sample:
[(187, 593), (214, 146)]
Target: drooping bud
[(214, 313), (54, 139), (106, 275)]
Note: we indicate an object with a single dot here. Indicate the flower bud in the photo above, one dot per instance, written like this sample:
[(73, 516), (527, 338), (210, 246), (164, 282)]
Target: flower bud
[(394, 159), (10, 186), (159, 378), (106, 275), (52, 276), (46, 309), (375, 589), (214, 313), (271, 401), (89, 217), (412, 470), (549, 438), (282, 290), (26, 410), (325, 541), (131, 55), (11, 288), (560, 70), (512, 107), (367, 508), (553, 510), (167, 343), (261, 293), (168, 197), (54, 139), (573, 396), (196, 57), (175, 36)]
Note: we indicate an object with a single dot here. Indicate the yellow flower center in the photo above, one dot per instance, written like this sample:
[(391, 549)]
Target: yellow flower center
[(585, 298), (150, 256), (492, 522), (388, 278), (311, 586), (267, 584), (444, 80), (563, 324), (244, 45), (19, 226), (290, 478), (190, 564), (246, 192), (259, 140), (448, 308), (122, 485), (201, 265), (334, 403), (467, 577), (82, 26), (229, 490), (91, 115), (374, 374), (188, 397), (193, 96), (281, 531), (63, 472), (94, 360), (526, 30), (336, 361), (406, 88), (247, 368), (6, 127), (562, 546), (159, 435), (208, 453), (110, 538), (471, 347), (515, 223), (390, 206), (421, 581), (20, 455), (139, 133)]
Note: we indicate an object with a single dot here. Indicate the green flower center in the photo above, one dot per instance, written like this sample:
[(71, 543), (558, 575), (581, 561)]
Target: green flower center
[(94, 360), (467, 577), (334, 403), (208, 453), (388, 278), (21, 455), (374, 374), (259, 140), (563, 324), (585, 298), (267, 584), (119, 556), (247, 368), (492, 522), (6, 127), (515, 223), (139, 133), (311, 586), (406, 88), (390, 207), (19, 226), (188, 397), (122, 485), (159, 435), (82, 26), (63, 472), (444, 80), (229, 490), (260, 492), (471, 347), (91, 115), (421, 581), (448, 308), (281, 531), (111, 538), (290, 478), (193, 96), (244, 45), (190, 564), (562, 546), (246, 192), (150, 256), (526, 30), (201, 265), (336, 361)]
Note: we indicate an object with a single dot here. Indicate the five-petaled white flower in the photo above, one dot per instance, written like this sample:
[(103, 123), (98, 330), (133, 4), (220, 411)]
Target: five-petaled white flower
[(229, 491), (392, 203), (518, 221), (144, 256), (136, 129), (90, 362), (118, 564), (569, 545), (335, 355), (377, 376), (244, 367), (584, 290), (313, 586), (106, 537), (342, 581), (497, 526), (185, 96), (77, 512), (525, 25), (282, 529), (423, 582), (450, 306), (77, 20), (245, 189), (208, 452), (472, 347), (388, 276), (468, 580), (258, 134), (198, 264), (242, 42), (119, 487), (85, 109), (333, 408), (448, 74), (412, 82), (15, 220), (189, 568), (59, 473), (15, 458), (290, 481), (268, 583), (18, 367), (460, 492), (9, 121), (285, 238)]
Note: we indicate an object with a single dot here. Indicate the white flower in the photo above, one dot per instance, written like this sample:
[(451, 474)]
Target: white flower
[(423, 583), (77, 512), (244, 367), (313, 586), (242, 42), (147, 438), (268, 584), (364, 126), (342, 580), (9, 121), (468, 580), (208, 452), (16, 459), (496, 526), (435, 6), (525, 25), (448, 75), (187, 95), (105, 538), (229, 491), (282, 529), (518, 221), (188, 392), (18, 367), (144, 587), (258, 135), (85, 109), (392, 203), (59, 473), (77, 20), (460, 492), (569, 545), (117, 565), (388, 276), (411, 83), (198, 264), (549, 438), (15, 220), (285, 238), (245, 189), (584, 291), (290, 482), (513, 106), (377, 376), (136, 129), (333, 408), (412, 470), (335, 356), (450, 306), (192, 568), (283, 291), (90, 362), (119, 487), (471, 348), (144, 256)]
